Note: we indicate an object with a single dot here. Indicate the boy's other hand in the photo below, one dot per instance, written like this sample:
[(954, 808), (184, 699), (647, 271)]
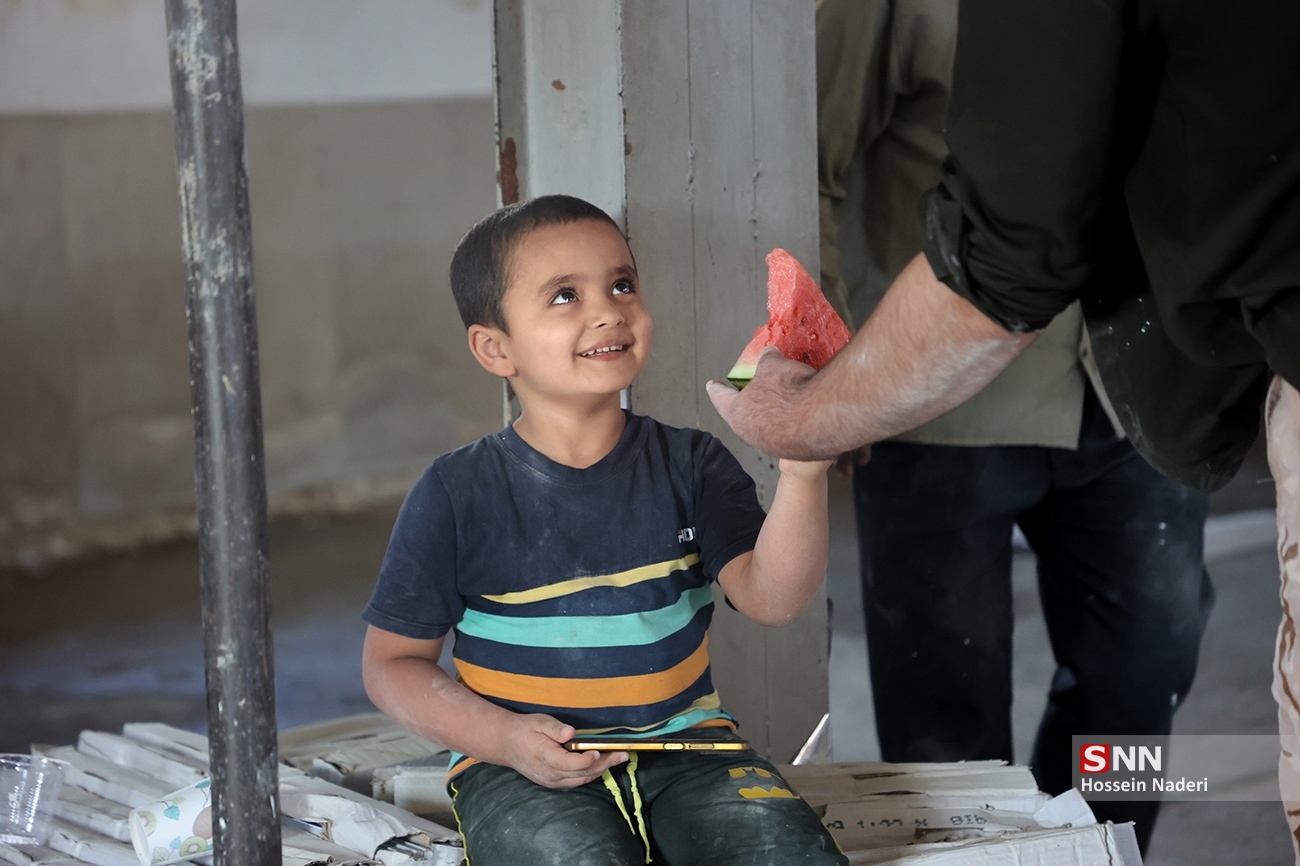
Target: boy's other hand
[(535, 747)]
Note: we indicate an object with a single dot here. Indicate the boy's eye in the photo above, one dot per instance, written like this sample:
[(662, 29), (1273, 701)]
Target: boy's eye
[(564, 296), (624, 287)]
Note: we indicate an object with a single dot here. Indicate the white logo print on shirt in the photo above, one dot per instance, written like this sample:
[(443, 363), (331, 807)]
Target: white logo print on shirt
[(685, 535)]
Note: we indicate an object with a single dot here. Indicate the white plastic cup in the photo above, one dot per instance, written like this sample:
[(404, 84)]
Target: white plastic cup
[(174, 829), (29, 788)]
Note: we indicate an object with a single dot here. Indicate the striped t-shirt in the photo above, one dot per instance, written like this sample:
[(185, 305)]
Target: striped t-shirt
[(581, 593)]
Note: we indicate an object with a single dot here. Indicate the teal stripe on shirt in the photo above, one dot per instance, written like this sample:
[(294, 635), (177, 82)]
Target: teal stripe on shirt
[(681, 723), (629, 629)]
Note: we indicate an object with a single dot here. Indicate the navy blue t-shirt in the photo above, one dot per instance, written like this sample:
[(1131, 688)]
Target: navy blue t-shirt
[(582, 593)]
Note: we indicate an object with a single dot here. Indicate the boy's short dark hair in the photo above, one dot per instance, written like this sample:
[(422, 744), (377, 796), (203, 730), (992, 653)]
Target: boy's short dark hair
[(480, 265)]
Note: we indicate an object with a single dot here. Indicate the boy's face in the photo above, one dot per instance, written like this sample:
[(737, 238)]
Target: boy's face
[(577, 323)]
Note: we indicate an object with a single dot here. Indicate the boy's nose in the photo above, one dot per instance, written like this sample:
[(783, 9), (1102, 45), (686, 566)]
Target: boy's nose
[(607, 312)]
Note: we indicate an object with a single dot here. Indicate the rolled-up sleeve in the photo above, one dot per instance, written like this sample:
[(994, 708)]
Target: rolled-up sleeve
[(1031, 129)]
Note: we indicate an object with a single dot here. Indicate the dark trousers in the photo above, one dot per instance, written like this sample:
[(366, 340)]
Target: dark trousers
[(1124, 592), (669, 809)]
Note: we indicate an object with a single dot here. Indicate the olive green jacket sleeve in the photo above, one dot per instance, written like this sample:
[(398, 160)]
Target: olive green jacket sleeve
[(884, 73)]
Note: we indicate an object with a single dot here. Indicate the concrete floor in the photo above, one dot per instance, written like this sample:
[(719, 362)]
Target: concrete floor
[(77, 650)]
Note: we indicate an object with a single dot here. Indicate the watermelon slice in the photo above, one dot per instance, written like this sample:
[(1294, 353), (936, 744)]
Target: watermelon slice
[(800, 321)]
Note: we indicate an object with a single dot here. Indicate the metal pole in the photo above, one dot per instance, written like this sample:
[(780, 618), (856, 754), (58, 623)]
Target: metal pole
[(229, 475)]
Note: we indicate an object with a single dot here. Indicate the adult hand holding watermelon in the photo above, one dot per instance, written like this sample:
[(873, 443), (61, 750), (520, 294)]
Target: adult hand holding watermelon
[(802, 327), (801, 324), (924, 350)]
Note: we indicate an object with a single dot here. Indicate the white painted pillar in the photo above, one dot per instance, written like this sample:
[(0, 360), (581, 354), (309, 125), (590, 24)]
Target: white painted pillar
[(694, 125)]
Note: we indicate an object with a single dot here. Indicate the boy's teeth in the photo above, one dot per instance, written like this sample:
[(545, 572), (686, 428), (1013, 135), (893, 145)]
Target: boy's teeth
[(604, 351)]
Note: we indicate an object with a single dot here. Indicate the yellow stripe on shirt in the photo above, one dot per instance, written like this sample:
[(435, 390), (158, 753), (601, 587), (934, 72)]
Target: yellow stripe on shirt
[(578, 584), (588, 693)]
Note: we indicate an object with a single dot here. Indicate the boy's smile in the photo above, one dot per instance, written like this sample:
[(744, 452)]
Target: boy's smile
[(577, 325)]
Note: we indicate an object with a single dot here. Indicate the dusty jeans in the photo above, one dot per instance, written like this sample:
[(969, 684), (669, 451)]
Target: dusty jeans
[(1282, 416), (669, 809)]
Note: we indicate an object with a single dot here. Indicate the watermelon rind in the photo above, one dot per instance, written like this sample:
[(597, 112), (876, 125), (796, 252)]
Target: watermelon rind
[(741, 374), (801, 323)]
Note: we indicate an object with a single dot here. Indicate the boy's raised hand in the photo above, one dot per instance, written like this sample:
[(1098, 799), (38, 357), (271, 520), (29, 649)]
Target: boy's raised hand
[(535, 747), (774, 583)]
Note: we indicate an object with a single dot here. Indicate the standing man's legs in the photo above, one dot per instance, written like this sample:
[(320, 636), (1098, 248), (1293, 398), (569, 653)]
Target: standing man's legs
[(934, 532), (1282, 414), (1125, 597)]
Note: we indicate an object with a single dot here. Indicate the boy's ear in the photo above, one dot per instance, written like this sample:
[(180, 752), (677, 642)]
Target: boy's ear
[(488, 347)]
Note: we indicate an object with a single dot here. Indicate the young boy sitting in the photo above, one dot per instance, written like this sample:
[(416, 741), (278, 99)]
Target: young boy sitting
[(573, 554)]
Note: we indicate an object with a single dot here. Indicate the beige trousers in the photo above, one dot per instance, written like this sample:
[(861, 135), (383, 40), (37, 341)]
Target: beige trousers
[(1282, 419)]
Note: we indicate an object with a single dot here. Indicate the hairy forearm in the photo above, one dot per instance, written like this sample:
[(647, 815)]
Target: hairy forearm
[(923, 351), (422, 697), (788, 563)]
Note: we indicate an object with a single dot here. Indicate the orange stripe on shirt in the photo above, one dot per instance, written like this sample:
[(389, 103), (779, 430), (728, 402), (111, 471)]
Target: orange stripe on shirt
[(588, 693)]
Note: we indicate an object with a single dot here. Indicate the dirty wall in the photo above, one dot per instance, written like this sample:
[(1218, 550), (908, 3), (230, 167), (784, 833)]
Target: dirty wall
[(370, 150), (356, 209)]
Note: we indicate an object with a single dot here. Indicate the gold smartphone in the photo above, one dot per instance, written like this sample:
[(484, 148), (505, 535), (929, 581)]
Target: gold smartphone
[(652, 744)]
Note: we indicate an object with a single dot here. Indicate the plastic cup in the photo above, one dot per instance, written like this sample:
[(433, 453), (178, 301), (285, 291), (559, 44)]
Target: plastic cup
[(29, 788), (176, 828)]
